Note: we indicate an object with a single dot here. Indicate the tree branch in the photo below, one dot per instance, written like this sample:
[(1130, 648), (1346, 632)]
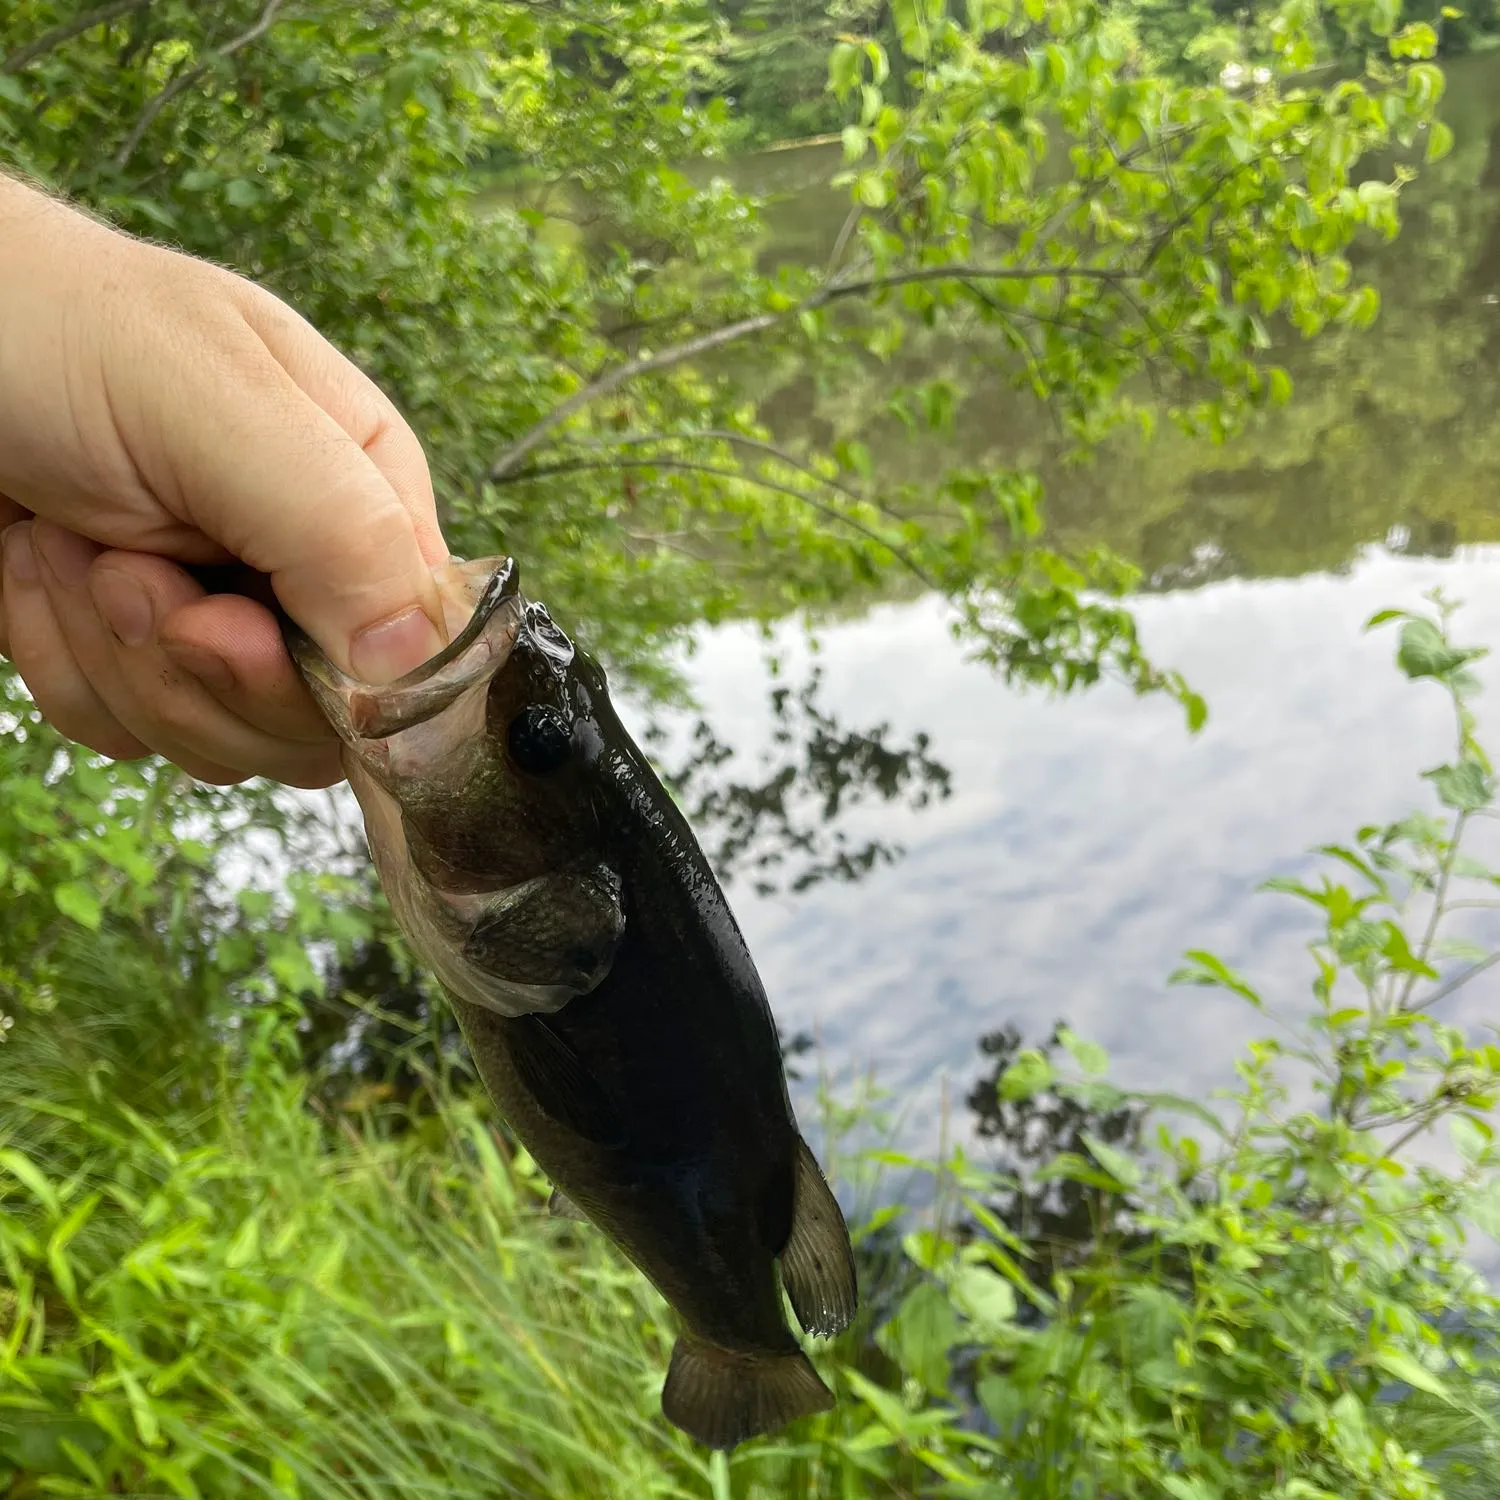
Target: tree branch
[(584, 465), (186, 80), (65, 31), (738, 439), (509, 461), (1456, 983)]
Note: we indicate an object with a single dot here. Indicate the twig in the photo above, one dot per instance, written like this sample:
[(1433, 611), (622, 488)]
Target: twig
[(739, 439), (613, 379), (602, 385), (185, 81), (65, 31), (577, 466), (1163, 236), (1440, 892), (1456, 983)]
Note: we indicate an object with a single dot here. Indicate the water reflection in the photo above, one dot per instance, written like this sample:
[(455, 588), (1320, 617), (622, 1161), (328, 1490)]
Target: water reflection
[(1088, 841), (1056, 1216), (785, 826), (1390, 432)]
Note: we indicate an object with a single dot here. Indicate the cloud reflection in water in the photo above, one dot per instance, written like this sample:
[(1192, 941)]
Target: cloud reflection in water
[(1090, 840)]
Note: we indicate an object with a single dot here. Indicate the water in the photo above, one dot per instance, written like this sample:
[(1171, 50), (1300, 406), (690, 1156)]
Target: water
[(1089, 841)]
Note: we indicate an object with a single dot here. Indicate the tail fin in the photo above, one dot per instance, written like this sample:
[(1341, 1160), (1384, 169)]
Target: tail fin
[(721, 1396)]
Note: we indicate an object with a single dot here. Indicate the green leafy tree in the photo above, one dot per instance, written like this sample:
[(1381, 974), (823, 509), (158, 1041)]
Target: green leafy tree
[(584, 399)]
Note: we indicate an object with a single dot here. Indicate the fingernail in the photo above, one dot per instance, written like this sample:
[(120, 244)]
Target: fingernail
[(211, 670), (388, 650), (124, 605), (67, 556), (20, 556)]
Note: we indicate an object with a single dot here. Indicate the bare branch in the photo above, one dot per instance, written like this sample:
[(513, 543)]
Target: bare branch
[(1434, 921), (186, 80), (738, 439), (509, 461), (65, 31), (1456, 983), (842, 289), (585, 465), (614, 378)]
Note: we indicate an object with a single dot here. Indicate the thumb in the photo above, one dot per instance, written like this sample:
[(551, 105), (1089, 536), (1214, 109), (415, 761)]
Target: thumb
[(286, 455)]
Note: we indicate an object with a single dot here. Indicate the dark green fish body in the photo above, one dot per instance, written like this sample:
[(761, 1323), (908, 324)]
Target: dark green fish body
[(610, 1002)]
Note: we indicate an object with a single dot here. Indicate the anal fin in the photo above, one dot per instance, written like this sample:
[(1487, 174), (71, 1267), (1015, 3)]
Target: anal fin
[(721, 1397), (817, 1262)]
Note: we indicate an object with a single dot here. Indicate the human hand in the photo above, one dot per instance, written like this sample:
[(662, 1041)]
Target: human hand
[(157, 411)]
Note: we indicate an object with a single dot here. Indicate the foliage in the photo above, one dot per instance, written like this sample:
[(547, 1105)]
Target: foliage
[(1212, 39), (248, 1291), (220, 1283), (584, 395)]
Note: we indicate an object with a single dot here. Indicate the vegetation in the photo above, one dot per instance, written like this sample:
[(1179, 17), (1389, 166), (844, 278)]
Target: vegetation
[(220, 1283), (240, 1257)]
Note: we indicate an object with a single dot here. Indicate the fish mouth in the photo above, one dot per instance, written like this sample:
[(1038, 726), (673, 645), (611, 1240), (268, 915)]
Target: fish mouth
[(489, 589)]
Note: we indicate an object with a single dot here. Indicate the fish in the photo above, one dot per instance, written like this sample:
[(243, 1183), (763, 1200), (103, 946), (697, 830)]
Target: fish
[(544, 876)]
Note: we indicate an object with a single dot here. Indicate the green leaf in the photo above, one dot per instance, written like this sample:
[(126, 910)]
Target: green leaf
[(1190, 1487), (922, 1333), (246, 1242), (1425, 652), (1402, 1367), (843, 68), (1466, 786), (1028, 1074), (80, 902), (1089, 1056), (1114, 1161), (242, 193), (141, 1410), (983, 1297), (32, 1177), (1208, 969)]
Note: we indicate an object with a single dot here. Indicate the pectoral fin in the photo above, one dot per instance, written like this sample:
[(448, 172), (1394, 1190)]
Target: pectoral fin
[(558, 929), (817, 1263), (558, 1082)]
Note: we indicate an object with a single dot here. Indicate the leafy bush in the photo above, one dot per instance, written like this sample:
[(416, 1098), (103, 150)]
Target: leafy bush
[(1276, 1300)]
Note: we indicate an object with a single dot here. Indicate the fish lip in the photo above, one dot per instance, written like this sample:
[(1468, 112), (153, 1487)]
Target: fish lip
[(362, 711), (504, 583)]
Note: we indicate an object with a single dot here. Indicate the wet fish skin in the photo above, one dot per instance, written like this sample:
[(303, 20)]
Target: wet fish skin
[(613, 1010)]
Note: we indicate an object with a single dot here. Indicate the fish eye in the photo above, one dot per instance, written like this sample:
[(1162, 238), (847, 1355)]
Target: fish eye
[(539, 739)]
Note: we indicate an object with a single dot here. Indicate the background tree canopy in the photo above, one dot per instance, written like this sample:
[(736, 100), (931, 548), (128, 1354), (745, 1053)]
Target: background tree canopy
[(242, 1260)]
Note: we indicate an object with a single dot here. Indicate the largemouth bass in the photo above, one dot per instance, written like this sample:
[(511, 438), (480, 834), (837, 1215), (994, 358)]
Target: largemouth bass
[(543, 874)]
